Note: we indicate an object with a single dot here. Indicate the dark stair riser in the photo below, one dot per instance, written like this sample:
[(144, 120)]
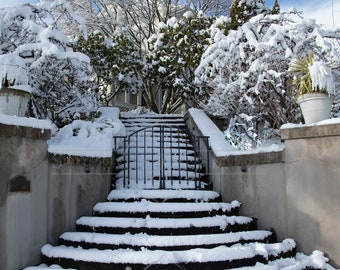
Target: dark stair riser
[(175, 200), (170, 231), (80, 265), (282, 255), (87, 245), (232, 212)]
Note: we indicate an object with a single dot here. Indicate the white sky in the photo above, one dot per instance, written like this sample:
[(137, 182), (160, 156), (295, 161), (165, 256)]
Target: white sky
[(326, 12)]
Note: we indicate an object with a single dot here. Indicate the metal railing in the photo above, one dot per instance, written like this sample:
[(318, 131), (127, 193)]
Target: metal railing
[(160, 156)]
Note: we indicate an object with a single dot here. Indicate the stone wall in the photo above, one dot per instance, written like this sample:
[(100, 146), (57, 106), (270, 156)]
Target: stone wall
[(41, 196), (312, 166), (295, 192), (76, 184), (23, 195)]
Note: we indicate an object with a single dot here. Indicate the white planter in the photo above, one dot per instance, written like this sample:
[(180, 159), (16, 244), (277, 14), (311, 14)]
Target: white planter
[(315, 107), (13, 101)]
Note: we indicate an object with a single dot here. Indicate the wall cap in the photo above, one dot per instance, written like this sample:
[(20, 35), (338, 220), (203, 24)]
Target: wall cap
[(325, 128), (236, 157)]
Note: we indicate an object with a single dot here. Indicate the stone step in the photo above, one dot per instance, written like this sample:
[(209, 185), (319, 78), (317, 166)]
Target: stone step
[(103, 241), (151, 117), (145, 208), (218, 258), (164, 195), (190, 182), (166, 226)]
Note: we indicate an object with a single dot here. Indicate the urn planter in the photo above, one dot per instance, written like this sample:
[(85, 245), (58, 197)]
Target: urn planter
[(315, 107), (13, 101)]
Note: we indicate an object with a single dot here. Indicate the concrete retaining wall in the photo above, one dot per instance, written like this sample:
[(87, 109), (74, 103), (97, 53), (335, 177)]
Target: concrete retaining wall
[(76, 184), (23, 195), (41, 196), (295, 192), (312, 166)]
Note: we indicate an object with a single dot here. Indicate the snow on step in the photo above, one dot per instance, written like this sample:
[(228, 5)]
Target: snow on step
[(316, 260), (147, 206), (150, 257), (144, 117), (146, 240), (193, 195), (162, 223), (45, 267)]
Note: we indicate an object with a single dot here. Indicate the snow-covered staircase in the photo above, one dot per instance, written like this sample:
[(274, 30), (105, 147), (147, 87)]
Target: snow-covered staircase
[(180, 226), (165, 229)]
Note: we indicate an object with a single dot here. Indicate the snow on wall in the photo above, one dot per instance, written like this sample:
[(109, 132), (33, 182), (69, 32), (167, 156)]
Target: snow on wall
[(89, 139), (25, 121), (217, 141)]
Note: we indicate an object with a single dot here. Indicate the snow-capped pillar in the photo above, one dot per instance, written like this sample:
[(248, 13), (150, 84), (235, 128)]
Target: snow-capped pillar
[(312, 162), (23, 190), (14, 101)]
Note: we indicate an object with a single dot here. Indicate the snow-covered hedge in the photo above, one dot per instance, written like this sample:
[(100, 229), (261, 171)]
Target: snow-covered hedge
[(35, 52)]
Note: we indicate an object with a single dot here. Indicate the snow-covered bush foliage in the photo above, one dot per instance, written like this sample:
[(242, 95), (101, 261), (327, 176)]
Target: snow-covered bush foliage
[(174, 53), (115, 62), (242, 10), (61, 88), (34, 52), (246, 72)]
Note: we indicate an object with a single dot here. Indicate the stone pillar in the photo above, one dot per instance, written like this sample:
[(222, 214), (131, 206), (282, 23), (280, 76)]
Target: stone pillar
[(312, 159), (23, 194)]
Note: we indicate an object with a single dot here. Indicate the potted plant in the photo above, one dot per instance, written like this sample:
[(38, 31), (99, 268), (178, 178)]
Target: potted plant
[(314, 81)]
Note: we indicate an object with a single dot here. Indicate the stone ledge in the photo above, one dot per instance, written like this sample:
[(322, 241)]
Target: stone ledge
[(77, 160), (310, 131), (26, 132), (250, 159)]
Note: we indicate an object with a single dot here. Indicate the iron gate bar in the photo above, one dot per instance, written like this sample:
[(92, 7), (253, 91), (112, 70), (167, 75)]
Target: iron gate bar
[(165, 135)]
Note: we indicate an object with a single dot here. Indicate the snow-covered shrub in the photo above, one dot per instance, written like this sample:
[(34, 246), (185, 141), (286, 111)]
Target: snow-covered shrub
[(116, 65), (246, 71), (248, 132), (174, 53), (34, 52)]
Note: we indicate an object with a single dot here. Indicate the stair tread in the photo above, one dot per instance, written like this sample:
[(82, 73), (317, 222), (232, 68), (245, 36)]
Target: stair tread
[(164, 207), (198, 195), (152, 257), (46, 267), (129, 115), (146, 240), (163, 223)]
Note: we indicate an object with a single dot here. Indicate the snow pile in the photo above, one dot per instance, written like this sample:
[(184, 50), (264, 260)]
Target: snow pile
[(316, 260), (321, 123), (89, 139), (322, 77)]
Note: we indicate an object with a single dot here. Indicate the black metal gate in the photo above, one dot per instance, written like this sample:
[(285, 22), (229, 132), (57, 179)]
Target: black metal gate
[(160, 156)]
